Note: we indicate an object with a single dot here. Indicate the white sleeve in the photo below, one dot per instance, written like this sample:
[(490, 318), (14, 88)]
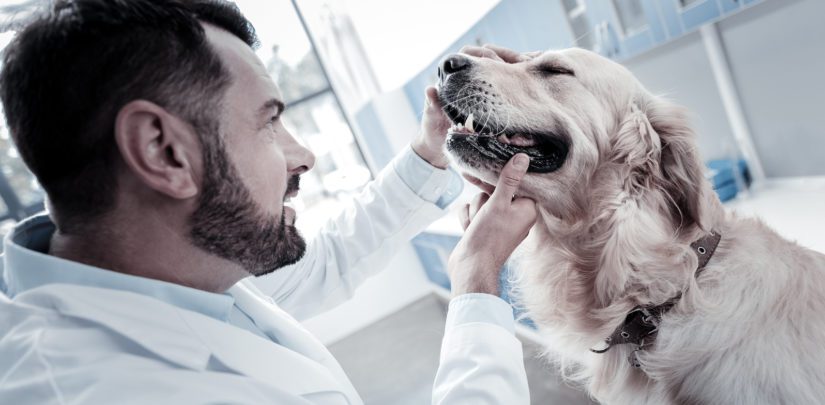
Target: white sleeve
[(358, 242), (481, 359)]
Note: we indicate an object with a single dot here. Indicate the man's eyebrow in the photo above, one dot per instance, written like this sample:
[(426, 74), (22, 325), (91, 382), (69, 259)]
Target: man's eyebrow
[(267, 107)]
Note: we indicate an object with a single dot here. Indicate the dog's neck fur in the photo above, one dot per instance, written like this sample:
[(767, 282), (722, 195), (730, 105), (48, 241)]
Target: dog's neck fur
[(595, 270), (631, 254)]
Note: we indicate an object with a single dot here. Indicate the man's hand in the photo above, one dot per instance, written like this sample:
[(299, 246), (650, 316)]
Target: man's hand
[(494, 226), (498, 53), (434, 125)]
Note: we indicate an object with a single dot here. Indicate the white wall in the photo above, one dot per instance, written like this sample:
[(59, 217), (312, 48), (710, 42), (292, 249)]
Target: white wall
[(777, 55), (681, 72), (776, 50)]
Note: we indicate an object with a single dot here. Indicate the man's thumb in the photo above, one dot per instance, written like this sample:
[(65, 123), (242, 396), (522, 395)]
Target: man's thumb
[(511, 175)]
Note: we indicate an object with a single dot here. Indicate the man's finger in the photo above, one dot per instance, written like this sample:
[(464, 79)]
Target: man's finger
[(464, 216), (434, 115), (487, 188), (475, 206), (510, 178), (479, 52), (507, 55), (431, 98), (532, 55)]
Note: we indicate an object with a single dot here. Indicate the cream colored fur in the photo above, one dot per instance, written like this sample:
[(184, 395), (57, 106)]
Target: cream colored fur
[(614, 231)]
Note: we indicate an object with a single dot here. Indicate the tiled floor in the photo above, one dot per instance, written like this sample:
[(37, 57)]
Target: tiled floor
[(394, 360)]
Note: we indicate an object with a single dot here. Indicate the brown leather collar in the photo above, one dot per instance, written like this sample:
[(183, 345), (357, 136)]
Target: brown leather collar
[(642, 323)]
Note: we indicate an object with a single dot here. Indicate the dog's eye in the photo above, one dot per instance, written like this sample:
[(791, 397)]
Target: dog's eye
[(553, 70)]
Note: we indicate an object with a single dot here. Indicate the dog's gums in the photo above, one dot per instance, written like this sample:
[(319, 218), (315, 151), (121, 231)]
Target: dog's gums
[(547, 151)]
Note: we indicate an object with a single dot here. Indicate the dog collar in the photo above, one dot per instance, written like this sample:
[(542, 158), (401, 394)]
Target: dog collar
[(642, 322)]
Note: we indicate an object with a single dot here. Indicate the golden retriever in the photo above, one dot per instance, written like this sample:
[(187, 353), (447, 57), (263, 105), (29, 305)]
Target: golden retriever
[(621, 196)]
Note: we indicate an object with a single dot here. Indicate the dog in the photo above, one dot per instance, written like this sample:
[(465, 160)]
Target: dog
[(623, 203)]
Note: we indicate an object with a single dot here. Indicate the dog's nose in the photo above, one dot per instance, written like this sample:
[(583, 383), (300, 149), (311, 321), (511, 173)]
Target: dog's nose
[(454, 63)]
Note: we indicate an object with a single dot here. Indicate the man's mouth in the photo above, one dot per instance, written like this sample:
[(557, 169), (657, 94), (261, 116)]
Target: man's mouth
[(292, 187), (547, 151)]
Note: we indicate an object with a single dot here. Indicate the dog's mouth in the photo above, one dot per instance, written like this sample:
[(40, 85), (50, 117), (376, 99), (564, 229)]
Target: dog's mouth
[(547, 151)]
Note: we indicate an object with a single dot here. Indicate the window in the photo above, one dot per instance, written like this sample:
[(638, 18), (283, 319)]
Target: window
[(20, 195), (314, 113)]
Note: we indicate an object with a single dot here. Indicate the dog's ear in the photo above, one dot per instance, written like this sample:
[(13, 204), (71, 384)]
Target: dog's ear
[(657, 144), (681, 167), (637, 146)]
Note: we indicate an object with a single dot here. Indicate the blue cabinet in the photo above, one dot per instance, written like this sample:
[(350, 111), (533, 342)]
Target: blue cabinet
[(686, 15), (617, 29), (729, 6), (683, 16), (606, 39), (620, 29), (640, 24)]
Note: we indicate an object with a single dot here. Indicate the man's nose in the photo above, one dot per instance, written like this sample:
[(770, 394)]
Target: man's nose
[(301, 159), (452, 64)]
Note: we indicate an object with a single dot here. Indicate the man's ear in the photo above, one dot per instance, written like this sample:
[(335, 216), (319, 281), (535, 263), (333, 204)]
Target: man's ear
[(158, 148)]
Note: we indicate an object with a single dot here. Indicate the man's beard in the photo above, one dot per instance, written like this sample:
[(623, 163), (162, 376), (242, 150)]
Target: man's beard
[(229, 224)]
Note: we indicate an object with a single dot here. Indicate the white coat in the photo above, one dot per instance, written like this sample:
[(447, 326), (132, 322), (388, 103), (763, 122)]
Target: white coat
[(70, 343)]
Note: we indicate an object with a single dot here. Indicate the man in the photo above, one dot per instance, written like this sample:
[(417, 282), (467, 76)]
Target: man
[(155, 132)]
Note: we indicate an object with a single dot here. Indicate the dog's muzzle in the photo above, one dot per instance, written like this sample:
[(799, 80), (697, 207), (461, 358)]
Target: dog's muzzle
[(464, 96)]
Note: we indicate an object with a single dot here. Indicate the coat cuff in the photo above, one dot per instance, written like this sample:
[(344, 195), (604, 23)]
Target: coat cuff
[(476, 307), (434, 185)]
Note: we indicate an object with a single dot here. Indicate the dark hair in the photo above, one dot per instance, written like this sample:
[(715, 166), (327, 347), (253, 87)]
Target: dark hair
[(67, 74)]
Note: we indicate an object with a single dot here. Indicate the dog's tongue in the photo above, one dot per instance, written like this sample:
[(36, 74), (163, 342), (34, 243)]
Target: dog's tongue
[(520, 140)]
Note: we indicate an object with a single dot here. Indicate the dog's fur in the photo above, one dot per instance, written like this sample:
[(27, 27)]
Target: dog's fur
[(614, 229)]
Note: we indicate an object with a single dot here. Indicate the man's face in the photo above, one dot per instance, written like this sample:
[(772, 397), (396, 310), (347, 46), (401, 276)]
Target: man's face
[(241, 215)]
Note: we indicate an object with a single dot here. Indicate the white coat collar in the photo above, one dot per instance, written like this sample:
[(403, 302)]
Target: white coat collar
[(27, 265)]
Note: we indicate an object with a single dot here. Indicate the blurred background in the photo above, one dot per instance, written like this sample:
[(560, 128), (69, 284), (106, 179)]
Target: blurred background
[(353, 74)]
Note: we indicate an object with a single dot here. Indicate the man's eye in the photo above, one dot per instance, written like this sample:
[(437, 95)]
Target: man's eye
[(553, 70)]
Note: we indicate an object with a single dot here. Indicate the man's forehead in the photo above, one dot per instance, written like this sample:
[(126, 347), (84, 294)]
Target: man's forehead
[(244, 66)]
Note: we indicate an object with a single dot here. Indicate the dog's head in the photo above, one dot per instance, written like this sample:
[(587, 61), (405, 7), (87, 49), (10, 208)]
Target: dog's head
[(589, 127)]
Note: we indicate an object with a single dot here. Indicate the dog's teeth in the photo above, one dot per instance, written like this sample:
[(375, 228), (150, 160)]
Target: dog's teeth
[(469, 123), (503, 139)]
